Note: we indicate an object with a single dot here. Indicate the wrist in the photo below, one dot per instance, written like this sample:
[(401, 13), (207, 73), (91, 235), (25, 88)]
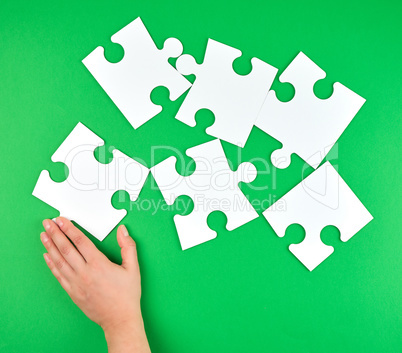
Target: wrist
[(126, 336)]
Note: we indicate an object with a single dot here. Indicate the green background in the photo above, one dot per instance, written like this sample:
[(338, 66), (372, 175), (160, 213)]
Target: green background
[(243, 291)]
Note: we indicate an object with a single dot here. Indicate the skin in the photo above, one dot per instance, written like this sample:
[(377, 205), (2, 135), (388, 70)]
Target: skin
[(107, 293)]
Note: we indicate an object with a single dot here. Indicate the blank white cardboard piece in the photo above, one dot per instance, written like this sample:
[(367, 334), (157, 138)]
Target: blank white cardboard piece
[(85, 196), (129, 83), (235, 100), (307, 125), (322, 199), (213, 186)]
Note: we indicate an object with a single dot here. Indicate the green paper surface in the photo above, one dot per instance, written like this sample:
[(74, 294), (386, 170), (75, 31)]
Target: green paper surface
[(243, 291)]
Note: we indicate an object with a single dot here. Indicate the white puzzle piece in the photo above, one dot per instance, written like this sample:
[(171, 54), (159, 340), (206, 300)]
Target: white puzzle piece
[(213, 186), (306, 125), (85, 196), (129, 83), (235, 100), (322, 199)]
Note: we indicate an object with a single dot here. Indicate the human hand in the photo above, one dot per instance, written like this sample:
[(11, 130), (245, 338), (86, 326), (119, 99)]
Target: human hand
[(107, 293)]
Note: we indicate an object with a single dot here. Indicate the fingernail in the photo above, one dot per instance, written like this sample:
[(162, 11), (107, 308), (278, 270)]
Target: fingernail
[(59, 222), (46, 256), (124, 229), (44, 237), (46, 224)]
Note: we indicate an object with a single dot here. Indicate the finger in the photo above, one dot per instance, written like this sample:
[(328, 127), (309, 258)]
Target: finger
[(62, 280), (67, 250), (59, 261), (128, 249), (84, 245)]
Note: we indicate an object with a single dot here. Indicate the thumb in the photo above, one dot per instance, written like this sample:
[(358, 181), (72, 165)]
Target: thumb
[(128, 248)]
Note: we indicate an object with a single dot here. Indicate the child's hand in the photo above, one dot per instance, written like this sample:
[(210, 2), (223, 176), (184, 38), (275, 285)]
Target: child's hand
[(107, 293)]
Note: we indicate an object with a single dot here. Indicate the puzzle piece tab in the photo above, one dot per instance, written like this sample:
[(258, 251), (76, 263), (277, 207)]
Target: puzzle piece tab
[(129, 83), (322, 199), (85, 196), (235, 100), (307, 125), (213, 186)]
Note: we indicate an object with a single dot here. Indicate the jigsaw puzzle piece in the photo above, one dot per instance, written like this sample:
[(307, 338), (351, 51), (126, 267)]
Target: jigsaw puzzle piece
[(129, 83), (307, 125), (235, 100), (85, 196), (322, 199), (213, 187), (197, 222)]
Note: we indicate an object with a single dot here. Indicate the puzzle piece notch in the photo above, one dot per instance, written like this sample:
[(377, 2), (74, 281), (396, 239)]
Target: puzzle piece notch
[(234, 99), (306, 125), (85, 196), (213, 186), (187, 65), (129, 82), (307, 205)]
